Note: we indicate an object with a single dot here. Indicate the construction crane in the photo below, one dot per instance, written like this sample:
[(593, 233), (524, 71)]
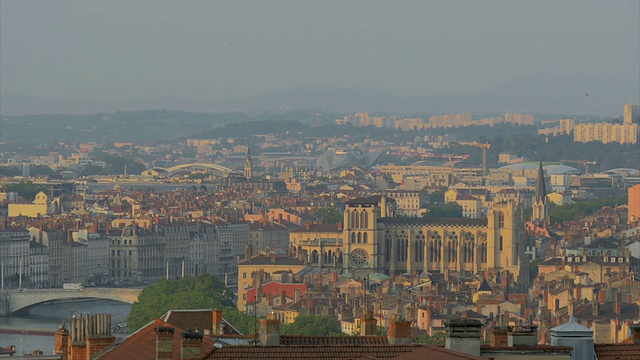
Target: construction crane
[(584, 163), (484, 147)]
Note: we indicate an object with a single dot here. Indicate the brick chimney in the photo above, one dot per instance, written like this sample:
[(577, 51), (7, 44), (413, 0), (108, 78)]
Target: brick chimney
[(270, 330), (98, 331), (77, 343), (191, 346), (61, 346), (164, 342), (602, 299), (498, 336), (399, 331), (217, 322), (463, 335), (368, 325)]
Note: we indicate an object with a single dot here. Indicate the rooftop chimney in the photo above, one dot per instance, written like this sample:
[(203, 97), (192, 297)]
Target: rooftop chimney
[(217, 322), (523, 336), (369, 325), (98, 330), (463, 335), (399, 331), (164, 342), (78, 344), (498, 336), (191, 345), (61, 346), (270, 330)]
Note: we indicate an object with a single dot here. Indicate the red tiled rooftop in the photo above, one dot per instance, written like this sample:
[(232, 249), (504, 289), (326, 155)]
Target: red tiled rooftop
[(335, 352), (142, 344), (332, 340), (617, 351)]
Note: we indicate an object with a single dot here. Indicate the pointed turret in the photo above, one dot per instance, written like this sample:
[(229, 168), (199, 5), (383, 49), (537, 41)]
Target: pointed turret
[(541, 190)]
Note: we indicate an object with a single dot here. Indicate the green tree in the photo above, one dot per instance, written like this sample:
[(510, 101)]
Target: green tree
[(10, 171), (577, 210), (450, 210), (438, 338), (26, 189), (37, 170), (312, 325), (329, 215), (204, 291)]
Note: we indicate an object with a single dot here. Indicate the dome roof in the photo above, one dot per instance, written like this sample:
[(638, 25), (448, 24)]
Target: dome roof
[(624, 171), (549, 169)]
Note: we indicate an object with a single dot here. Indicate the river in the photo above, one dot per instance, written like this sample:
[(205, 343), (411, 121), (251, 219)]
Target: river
[(48, 317)]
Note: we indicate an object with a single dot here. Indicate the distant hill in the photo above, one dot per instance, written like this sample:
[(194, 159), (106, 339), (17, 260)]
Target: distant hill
[(543, 93)]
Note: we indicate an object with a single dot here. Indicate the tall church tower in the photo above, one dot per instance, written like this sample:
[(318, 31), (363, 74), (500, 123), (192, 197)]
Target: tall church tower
[(248, 171), (360, 235), (540, 200)]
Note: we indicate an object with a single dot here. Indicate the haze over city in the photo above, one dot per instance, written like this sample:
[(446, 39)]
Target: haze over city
[(569, 57), (332, 180)]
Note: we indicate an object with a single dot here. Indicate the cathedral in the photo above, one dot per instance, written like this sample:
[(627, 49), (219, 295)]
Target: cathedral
[(373, 239)]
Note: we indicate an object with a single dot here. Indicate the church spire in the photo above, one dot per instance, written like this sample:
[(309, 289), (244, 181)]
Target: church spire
[(248, 169), (541, 191), (540, 202)]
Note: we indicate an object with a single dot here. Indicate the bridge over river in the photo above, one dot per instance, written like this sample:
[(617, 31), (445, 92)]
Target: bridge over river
[(20, 301)]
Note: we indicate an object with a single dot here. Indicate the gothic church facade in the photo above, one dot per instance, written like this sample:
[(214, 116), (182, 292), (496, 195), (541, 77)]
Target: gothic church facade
[(376, 240)]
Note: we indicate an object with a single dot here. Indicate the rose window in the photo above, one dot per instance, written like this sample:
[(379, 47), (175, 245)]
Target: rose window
[(359, 258)]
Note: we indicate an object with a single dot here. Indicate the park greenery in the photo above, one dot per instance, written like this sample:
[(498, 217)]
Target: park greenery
[(204, 291), (566, 212), (312, 325), (329, 215), (450, 210), (25, 189)]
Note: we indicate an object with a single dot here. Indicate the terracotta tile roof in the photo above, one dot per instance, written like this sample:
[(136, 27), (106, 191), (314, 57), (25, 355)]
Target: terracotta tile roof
[(617, 351), (142, 344), (332, 340), (432, 352), (313, 352)]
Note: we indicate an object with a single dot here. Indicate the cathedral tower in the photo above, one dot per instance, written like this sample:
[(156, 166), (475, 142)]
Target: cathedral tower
[(540, 200), (248, 171), (360, 232)]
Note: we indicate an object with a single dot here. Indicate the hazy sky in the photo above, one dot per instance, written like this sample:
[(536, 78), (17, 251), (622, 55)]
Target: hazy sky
[(203, 50)]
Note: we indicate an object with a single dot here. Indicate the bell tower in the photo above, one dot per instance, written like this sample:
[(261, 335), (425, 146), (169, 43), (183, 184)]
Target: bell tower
[(360, 233)]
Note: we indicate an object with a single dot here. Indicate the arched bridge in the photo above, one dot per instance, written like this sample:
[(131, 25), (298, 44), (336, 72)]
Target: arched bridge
[(17, 301), (205, 165)]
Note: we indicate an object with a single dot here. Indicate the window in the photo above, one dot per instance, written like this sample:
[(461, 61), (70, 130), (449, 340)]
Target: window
[(500, 219), (501, 243), (244, 275)]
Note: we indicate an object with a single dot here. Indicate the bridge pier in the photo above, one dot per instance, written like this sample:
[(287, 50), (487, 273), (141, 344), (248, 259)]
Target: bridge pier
[(4, 304)]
